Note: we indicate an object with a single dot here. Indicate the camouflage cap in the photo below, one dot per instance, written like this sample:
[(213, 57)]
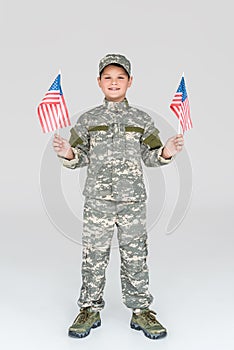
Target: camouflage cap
[(115, 58)]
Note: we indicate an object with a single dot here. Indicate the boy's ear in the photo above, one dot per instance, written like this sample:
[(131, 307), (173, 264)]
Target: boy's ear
[(130, 81), (99, 81)]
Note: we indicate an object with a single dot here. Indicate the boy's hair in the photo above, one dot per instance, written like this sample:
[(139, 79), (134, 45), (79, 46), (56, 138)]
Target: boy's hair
[(114, 64)]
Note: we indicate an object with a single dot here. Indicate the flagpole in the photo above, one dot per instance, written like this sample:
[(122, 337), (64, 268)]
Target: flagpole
[(179, 128), (57, 131)]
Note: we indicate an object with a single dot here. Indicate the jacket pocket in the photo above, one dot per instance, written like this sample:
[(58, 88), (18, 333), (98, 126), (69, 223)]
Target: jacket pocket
[(98, 140)]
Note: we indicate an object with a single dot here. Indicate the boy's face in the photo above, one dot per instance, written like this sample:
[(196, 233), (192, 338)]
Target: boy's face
[(114, 83)]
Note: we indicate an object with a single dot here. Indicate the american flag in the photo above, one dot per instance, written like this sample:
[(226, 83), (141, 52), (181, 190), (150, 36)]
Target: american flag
[(180, 106), (52, 111)]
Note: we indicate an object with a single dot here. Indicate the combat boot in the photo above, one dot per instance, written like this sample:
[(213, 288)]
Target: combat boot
[(146, 321), (83, 323)]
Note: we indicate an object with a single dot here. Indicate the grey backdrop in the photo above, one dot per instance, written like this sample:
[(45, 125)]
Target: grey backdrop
[(192, 269)]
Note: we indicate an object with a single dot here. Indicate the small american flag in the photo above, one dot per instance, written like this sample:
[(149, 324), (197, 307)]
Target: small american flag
[(180, 106), (52, 111)]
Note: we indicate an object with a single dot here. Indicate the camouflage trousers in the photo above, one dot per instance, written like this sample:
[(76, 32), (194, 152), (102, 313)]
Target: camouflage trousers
[(100, 217)]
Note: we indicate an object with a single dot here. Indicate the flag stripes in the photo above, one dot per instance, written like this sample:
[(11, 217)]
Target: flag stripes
[(52, 111)]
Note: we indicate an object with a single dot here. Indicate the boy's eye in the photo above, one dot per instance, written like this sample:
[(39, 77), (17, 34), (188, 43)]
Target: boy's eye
[(121, 77)]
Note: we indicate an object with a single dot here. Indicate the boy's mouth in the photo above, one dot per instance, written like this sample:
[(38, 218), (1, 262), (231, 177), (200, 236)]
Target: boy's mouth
[(113, 88)]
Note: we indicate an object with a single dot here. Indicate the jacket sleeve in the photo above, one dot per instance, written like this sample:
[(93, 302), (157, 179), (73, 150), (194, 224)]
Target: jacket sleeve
[(151, 146), (79, 141)]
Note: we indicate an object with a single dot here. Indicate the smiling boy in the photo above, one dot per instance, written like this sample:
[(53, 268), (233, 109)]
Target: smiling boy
[(112, 140), (114, 82)]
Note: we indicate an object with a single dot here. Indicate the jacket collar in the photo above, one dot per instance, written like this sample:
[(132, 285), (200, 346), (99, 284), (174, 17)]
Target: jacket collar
[(116, 106)]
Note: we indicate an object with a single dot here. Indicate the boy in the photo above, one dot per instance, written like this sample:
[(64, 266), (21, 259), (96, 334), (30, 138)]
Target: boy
[(111, 140)]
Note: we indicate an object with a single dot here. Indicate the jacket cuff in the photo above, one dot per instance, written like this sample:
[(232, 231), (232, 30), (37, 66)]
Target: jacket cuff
[(161, 159), (70, 163)]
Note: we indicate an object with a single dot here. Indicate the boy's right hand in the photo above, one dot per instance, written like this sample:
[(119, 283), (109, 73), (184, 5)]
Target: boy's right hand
[(62, 147)]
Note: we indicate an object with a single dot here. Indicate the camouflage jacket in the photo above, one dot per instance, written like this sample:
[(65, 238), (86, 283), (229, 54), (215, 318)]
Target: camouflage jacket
[(111, 139)]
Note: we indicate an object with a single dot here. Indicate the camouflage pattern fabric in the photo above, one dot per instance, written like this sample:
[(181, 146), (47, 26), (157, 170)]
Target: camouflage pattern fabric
[(112, 140), (115, 58), (100, 216)]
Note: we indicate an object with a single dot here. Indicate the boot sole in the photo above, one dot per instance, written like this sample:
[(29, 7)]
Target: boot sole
[(74, 334), (147, 334)]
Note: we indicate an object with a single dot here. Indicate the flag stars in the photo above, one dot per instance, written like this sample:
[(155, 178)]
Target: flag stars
[(182, 89)]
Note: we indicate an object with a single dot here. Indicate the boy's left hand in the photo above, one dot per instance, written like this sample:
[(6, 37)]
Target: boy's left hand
[(173, 146)]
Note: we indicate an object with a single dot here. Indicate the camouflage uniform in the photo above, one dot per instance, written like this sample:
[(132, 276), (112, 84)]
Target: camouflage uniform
[(111, 140), (100, 216)]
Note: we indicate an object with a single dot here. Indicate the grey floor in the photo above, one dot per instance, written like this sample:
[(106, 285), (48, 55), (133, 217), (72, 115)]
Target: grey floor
[(191, 273)]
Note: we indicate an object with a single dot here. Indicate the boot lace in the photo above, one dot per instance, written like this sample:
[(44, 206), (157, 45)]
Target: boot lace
[(149, 316), (83, 316)]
